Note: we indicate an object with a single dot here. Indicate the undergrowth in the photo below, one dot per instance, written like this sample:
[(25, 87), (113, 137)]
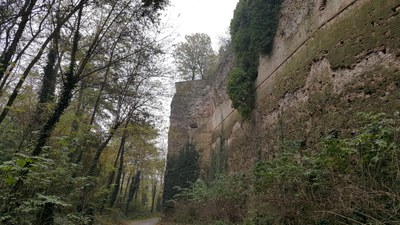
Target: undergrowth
[(350, 180)]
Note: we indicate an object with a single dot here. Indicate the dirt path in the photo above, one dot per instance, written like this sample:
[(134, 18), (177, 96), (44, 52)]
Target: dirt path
[(152, 221)]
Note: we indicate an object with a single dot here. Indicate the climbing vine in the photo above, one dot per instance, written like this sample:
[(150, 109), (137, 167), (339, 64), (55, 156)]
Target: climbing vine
[(252, 30), (182, 170)]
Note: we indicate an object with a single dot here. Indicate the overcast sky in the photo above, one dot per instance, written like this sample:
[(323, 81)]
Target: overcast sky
[(201, 16)]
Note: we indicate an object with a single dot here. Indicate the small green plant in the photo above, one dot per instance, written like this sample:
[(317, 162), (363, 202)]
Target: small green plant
[(198, 192)]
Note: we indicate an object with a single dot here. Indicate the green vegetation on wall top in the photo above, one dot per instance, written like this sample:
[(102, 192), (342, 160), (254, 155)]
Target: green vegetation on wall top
[(252, 30)]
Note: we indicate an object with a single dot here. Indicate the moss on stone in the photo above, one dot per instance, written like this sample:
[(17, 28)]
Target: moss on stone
[(371, 26), (367, 27)]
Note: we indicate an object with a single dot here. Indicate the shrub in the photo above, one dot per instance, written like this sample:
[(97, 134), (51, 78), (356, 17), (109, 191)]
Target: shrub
[(350, 180), (363, 170), (224, 201)]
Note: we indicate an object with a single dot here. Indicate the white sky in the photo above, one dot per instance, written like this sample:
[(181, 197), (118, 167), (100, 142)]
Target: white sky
[(201, 16)]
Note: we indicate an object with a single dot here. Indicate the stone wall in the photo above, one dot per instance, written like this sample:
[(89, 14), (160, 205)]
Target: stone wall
[(330, 61), (190, 112), (193, 111)]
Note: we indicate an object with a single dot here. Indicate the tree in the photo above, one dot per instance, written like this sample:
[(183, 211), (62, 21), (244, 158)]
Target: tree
[(6, 67), (181, 171), (194, 56), (83, 68)]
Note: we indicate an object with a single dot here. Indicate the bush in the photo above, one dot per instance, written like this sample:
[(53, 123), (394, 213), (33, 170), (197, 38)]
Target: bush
[(40, 190), (363, 170), (224, 201)]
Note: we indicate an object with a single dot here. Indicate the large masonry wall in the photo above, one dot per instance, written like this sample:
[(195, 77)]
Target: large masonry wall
[(331, 60)]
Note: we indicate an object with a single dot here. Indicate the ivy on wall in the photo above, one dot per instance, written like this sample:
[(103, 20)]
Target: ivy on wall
[(182, 170), (252, 30), (219, 160)]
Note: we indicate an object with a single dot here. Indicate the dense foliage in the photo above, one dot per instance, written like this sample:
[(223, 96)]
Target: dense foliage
[(194, 57), (182, 170), (252, 30), (238, 89), (349, 181), (77, 82), (225, 199)]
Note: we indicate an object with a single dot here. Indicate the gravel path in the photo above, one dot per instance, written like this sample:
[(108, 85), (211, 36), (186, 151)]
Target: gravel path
[(152, 221)]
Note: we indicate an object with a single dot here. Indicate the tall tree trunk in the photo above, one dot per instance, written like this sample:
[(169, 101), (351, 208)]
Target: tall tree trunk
[(32, 63), (136, 197), (112, 174), (122, 181), (100, 149), (49, 80), (128, 183), (132, 192), (117, 182), (66, 95), (159, 201), (76, 156), (63, 103), (193, 75), (153, 195), (46, 93), (79, 108), (121, 189)]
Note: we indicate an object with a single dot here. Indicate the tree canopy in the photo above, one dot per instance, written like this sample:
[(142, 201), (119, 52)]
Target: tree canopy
[(194, 57), (78, 81)]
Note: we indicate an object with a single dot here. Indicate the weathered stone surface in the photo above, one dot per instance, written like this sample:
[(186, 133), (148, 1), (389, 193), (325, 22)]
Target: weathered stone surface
[(329, 62)]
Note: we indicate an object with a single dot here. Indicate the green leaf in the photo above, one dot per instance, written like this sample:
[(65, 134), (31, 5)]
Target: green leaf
[(10, 180), (20, 162), (52, 199)]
